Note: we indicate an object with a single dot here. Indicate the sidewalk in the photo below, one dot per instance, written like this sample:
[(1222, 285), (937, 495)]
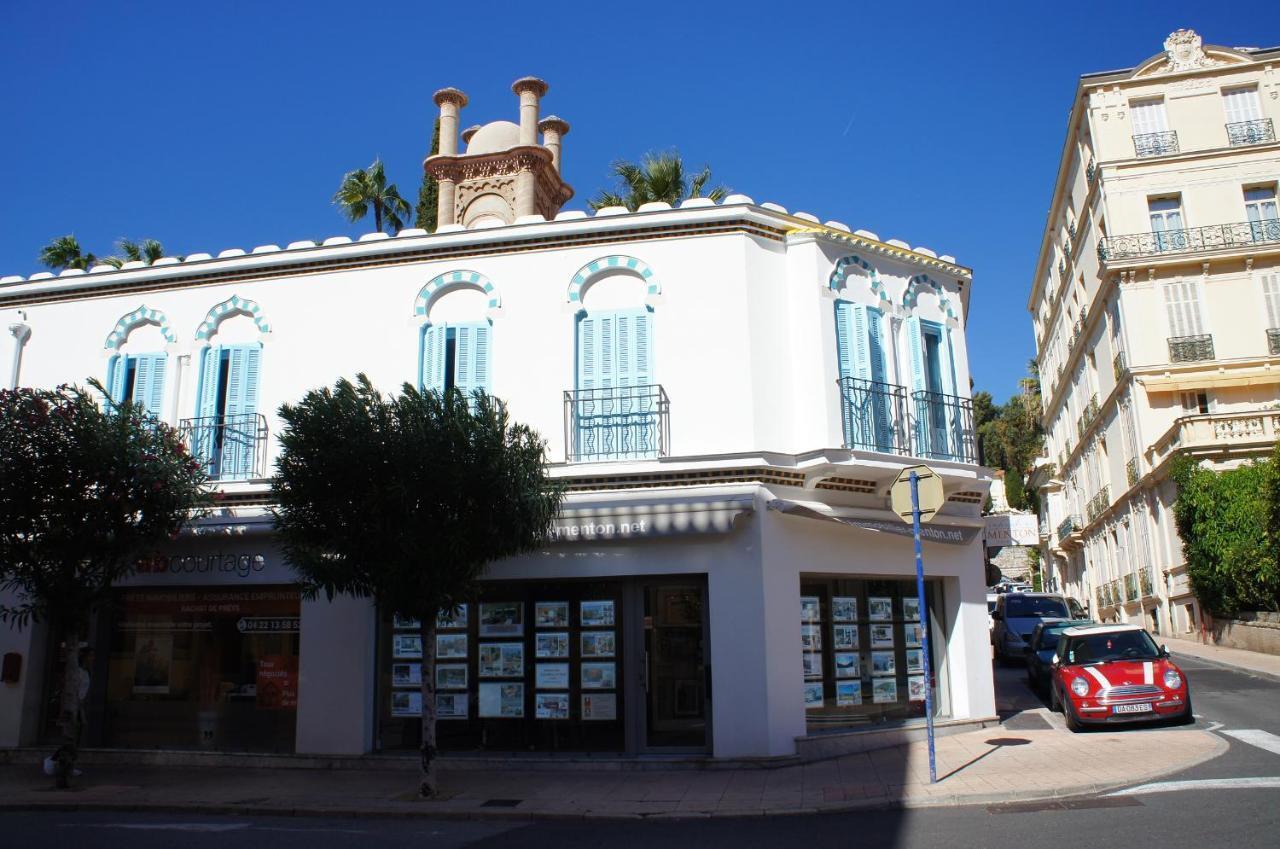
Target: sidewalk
[(982, 767), (1245, 661)]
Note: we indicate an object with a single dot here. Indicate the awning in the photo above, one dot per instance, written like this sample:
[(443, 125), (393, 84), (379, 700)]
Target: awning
[(931, 532), (648, 519)]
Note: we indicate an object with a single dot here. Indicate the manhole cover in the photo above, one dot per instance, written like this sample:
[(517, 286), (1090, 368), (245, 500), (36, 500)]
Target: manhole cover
[(500, 803)]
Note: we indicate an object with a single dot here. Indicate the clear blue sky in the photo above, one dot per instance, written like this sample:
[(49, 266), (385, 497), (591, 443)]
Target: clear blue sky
[(230, 124)]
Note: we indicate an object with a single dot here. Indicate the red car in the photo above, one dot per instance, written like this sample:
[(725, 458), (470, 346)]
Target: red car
[(1108, 674)]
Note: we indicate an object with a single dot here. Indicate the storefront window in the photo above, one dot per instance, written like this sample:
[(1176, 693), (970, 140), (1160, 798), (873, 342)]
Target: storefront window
[(862, 650), (203, 668), (528, 666)]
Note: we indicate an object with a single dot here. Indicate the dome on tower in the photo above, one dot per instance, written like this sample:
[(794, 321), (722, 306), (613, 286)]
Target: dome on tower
[(494, 138)]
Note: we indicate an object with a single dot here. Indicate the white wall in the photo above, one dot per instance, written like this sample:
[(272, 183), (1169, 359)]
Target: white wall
[(336, 676)]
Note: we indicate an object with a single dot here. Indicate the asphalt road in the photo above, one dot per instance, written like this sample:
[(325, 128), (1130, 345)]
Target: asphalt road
[(1194, 817)]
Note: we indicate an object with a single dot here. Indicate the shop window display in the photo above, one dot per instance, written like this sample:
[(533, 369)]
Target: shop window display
[(861, 644), (203, 668)]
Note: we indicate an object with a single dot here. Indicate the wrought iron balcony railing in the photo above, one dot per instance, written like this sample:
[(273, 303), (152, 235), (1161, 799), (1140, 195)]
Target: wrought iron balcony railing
[(1091, 173), (944, 427), (1250, 132), (1086, 418), (1069, 526), (1156, 144), (1131, 471), (617, 423), (1147, 584), (1119, 367), (1273, 340), (874, 416), (1100, 502), (1130, 587), (230, 447), (1190, 349), (1211, 237)]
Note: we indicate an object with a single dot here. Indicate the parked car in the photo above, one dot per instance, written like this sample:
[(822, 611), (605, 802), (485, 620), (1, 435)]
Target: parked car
[(1017, 614), (991, 608), (1041, 649), (1104, 674)]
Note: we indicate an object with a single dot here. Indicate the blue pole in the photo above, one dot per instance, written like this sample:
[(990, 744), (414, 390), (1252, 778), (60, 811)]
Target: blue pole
[(924, 624)]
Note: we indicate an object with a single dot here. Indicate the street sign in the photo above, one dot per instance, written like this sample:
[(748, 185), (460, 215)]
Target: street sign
[(931, 495)]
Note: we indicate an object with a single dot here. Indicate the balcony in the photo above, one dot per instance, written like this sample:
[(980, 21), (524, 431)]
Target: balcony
[(1086, 418), (1273, 340), (1244, 434), (1156, 144), (874, 416), (1257, 131), (1131, 471), (1068, 526), (1099, 503), (1190, 349), (1119, 367), (1242, 234), (230, 447), (1131, 587), (1091, 173), (617, 423), (1063, 276), (1146, 583), (944, 427)]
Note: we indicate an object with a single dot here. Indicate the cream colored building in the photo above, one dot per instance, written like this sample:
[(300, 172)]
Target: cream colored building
[(1156, 304)]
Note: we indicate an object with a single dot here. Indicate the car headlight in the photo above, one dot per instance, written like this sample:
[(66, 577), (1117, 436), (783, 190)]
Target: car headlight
[(1172, 679), (1079, 686)]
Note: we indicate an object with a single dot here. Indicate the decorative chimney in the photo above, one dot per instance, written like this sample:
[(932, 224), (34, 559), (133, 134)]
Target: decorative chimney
[(505, 173)]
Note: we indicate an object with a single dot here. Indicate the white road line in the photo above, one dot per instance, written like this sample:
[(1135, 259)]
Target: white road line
[(1214, 726), (164, 826), (1257, 783), (1254, 737)]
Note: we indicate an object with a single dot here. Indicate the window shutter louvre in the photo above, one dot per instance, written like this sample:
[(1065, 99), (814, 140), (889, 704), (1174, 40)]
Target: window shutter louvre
[(1241, 104), (587, 354), (209, 382), (235, 381), (116, 371), (915, 342), (876, 337), (624, 359), (148, 382), (252, 374), (606, 366), (948, 365), (1271, 292), (463, 357), (480, 361), (643, 330), (431, 376)]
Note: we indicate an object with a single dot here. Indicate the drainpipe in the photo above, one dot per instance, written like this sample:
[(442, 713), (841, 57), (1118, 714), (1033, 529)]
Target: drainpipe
[(21, 332)]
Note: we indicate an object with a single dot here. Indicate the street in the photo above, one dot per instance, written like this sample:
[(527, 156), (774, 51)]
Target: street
[(1226, 801)]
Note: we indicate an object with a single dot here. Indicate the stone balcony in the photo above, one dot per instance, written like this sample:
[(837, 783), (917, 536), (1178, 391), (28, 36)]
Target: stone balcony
[(1219, 435)]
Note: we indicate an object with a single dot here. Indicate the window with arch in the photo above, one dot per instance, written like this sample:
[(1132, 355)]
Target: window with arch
[(617, 410), (872, 407), (943, 421), (228, 433), (455, 356), (138, 378)]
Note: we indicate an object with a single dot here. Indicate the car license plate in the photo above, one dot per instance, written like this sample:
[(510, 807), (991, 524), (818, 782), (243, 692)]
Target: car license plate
[(1144, 707)]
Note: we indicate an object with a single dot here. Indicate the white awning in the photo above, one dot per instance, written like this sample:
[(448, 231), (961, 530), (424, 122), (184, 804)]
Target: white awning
[(930, 532), (643, 519)]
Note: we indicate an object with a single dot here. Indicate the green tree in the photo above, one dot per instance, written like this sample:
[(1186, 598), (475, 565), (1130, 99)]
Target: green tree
[(657, 177), (148, 251), (429, 191), (366, 188), (88, 490), (64, 252), (1013, 437), (1226, 522), (405, 500), (984, 413)]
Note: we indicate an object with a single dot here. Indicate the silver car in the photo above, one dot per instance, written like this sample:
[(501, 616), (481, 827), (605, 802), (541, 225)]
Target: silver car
[(1016, 617)]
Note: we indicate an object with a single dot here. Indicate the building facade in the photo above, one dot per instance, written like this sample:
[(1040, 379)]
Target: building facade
[(1156, 306), (727, 391)]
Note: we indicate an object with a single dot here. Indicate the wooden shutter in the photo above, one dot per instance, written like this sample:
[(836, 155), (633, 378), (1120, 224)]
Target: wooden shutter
[(1241, 104), (588, 355), (1182, 303), (1271, 293), (239, 439), (1148, 117), (148, 382), (948, 364), (853, 342), (642, 332), (117, 369), (209, 382), (434, 351), (915, 344), (471, 360)]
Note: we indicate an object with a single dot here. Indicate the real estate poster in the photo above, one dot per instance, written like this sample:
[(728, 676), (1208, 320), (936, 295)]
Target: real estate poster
[(844, 609), (810, 608), (811, 662), (812, 695), (501, 660), (883, 663), (596, 614), (551, 645), (152, 660), (880, 608), (451, 705), (451, 676), (551, 614), (502, 700), (406, 646), (844, 637), (598, 676), (848, 665), (881, 636), (452, 619), (597, 643), (406, 703), (404, 623), (811, 637), (911, 608), (884, 690), (913, 633), (406, 675), (848, 693), (915, 661), (915, 688), (599, 706), (277, 684), (551, 676), (451, 646), (502, 619), (551, 706)]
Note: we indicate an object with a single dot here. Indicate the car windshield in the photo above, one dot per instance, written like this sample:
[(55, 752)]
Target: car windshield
[(1049, 637), (1041, 607), (1117, 645)]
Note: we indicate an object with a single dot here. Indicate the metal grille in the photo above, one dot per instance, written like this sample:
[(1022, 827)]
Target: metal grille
[(1273, 340), (875, 415), (1250, 132), (230, 447), (944, 427), (617, 423), (1129, 690), (1156, 144), (1190, 349), (1207, 238)]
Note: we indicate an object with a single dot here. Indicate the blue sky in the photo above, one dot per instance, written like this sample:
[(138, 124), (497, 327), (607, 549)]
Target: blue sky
[(230, 124)]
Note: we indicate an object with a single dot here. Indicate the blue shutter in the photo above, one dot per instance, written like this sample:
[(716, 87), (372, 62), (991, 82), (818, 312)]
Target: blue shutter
[(644, 348), (852, 344), (206, 436), (462, 358), (116, 371), (471, 362), (240, 424), (588, 334), (209, 382), (606, 361), (434, 351), (148, 382), (919, 405), (624, 349), (957, 428), (882, 409)]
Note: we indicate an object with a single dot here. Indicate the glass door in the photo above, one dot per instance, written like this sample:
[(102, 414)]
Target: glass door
[(675, 671)]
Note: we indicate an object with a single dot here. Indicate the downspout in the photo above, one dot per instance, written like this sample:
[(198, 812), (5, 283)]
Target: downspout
[(21, 332)]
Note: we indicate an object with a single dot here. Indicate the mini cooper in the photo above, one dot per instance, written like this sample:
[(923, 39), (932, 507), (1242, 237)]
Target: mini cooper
[(1108, 674)]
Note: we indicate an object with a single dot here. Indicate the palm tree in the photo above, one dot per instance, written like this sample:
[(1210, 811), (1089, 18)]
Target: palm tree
[(657, 177), (367, 187), (148, 251), (64, 252)]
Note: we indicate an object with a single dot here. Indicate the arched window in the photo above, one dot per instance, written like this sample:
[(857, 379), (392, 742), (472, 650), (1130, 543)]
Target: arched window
[(617, 409), (228, 433), (455, 350), (136, 371), (872, 408), (940, 428)]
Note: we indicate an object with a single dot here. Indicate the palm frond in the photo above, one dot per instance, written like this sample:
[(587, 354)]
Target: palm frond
[(62, 252), (604, 199)]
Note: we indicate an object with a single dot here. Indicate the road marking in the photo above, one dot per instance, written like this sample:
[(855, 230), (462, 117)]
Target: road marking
[(1254, 737), (1257, 783), (302, 830), (1213, 726), (164, 826)]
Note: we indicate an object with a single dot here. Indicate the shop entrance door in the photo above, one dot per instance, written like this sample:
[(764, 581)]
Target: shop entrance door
[(676, 676)]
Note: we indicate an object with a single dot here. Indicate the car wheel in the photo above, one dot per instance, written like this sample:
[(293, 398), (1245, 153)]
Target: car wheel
[(1054, 704), (1073, 722), (1188, 716)]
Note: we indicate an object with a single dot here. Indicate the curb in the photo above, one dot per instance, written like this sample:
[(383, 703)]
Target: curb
[(1223, 664), (513, 815)]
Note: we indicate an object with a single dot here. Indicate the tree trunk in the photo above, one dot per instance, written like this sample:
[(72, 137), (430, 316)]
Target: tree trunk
[(377, 220), (69, 710), (427, 786)]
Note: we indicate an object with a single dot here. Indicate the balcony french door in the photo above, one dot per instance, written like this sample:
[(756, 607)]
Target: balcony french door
[(1166, 223)]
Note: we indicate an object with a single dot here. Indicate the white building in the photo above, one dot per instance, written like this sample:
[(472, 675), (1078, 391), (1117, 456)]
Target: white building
[(727, 389), (1156, 305)]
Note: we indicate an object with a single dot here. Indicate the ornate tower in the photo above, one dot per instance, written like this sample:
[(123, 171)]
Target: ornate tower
[(505, 173)]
